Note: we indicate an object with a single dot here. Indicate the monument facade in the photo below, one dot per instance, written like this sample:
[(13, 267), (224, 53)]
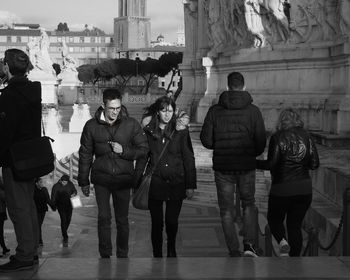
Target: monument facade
[(292, 54)]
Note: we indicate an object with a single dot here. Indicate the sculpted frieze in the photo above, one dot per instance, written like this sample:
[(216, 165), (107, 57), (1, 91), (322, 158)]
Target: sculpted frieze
[(236, 24)]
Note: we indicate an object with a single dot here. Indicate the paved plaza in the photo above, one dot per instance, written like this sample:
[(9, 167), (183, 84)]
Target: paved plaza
[(201, 252)]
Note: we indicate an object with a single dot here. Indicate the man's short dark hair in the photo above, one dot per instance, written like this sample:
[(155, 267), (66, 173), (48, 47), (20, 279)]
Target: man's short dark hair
[(111, 94), (17, 61), (235, 80)]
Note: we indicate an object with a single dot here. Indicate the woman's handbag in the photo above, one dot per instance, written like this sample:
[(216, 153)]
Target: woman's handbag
[(140, 197), (32, 158)]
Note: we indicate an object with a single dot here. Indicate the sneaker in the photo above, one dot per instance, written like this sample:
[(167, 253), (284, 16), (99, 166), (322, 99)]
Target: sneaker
[(15, 265), (284, 248), (249, 251)]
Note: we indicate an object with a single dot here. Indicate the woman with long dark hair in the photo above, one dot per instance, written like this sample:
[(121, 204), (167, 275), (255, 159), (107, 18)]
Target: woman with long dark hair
[(291, 154), (174, 178)]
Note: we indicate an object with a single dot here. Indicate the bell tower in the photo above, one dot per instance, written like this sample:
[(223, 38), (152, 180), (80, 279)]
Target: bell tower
[(132, 27)]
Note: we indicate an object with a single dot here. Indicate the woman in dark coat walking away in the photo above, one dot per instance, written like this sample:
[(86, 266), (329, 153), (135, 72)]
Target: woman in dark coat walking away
[(61, 193), (292, 153), (42, 199), (174, 178)]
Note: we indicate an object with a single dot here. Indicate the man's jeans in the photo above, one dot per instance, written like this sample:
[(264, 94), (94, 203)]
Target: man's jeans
[(121, 211), (245, 186), (22, 211)]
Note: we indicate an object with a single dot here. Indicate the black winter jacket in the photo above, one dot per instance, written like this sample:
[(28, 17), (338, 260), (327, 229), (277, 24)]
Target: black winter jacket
[(234, 129), (20, 114), (108, 168), (61, 194), (292, 153), (176, 170)]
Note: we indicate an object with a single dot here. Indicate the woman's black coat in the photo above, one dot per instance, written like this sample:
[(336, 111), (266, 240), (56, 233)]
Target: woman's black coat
[(176, 170)]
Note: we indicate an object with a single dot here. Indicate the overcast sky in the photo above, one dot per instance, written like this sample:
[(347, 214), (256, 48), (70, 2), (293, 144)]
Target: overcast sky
[(166, 15)]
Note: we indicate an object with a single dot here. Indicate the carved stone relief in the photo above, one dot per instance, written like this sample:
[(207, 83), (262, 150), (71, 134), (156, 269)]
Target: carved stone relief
[(259, 23)]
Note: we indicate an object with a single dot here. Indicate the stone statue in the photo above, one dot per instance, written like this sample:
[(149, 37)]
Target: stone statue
[(254, 22), (344, 16), (39, 53), (69, 64), (216, 33)]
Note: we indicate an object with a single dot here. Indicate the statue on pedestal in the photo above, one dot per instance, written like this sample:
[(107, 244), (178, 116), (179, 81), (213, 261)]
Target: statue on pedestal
[(69, 63), (39, 53)]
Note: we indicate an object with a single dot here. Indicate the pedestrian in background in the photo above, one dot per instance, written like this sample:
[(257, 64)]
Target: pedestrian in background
[(61, 194), (3, 217), (42, 199), (174, 177), (235, 130), (291, 154)]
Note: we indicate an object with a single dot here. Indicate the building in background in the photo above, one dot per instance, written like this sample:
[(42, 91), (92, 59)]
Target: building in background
[(88, 46)]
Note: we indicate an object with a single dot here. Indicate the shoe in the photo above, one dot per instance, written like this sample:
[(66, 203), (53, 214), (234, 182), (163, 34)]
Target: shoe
[(65, 242), (15, 265), (171, 253), (157, 255), (5, 252), (235, 254), (284, 248), (35, 259), (249, 251)]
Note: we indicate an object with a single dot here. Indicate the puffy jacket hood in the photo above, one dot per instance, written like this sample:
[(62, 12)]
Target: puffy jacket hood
[(122, 115), (28, 89), (234, 100)]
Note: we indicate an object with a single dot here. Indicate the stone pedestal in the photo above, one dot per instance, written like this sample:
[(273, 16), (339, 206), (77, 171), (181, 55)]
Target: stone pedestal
[(48, 85), (81, 114), (68, 88)]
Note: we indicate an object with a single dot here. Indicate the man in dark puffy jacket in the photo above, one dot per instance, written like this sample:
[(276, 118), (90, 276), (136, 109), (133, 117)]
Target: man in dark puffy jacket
[(115, 140), (234, 129), (20, 119)]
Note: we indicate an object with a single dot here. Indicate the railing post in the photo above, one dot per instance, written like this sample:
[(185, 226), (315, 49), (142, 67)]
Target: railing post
[(268, 242), (346, 222), (313, 242)]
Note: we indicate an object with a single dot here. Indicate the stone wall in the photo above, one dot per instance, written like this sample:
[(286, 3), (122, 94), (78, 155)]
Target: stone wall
[(299, 57)]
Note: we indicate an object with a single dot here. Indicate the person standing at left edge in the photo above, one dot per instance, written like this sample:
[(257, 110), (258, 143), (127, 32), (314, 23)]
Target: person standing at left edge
[(20, 119)]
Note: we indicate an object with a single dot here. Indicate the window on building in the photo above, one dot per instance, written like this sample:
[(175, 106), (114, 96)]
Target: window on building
[(9, 40), (59, 39), (140, 82), (81, 39), (93, 40), (93, 49), (18, 39), (71, 49), (103, 40), (103, 50), (81, 49), (71, 39)]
